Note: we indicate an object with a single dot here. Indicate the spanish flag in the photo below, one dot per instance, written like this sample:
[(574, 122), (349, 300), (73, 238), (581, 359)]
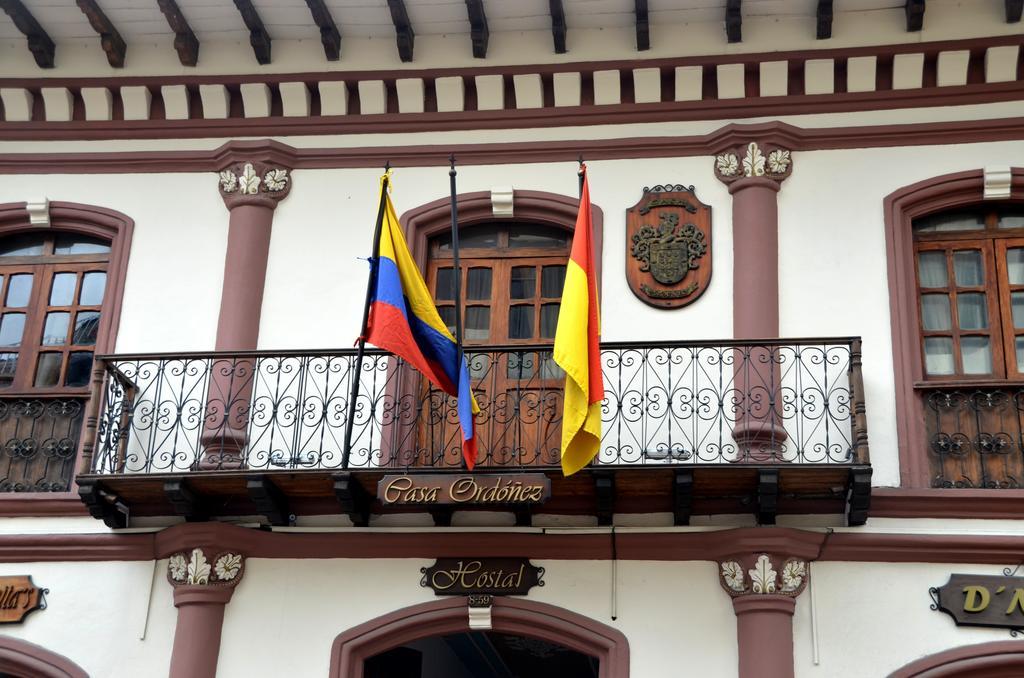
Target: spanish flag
[(577, 348), (404, 320)]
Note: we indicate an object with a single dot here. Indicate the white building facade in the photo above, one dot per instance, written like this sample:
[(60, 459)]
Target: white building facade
[(813, 415)]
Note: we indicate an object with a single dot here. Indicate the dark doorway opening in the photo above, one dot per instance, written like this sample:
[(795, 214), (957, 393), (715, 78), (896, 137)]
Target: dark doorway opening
[(479, 654)]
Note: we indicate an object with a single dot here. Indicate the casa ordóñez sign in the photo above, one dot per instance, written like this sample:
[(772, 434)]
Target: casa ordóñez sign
[(490, 576), (982, 600), (431, 489)]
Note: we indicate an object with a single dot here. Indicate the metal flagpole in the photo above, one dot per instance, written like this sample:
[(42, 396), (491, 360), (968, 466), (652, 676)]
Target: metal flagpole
[(457, 272), (580, 173), (361, 343)]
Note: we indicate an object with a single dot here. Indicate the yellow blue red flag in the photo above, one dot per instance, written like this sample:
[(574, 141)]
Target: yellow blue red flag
[(404, 320), (577, 346)]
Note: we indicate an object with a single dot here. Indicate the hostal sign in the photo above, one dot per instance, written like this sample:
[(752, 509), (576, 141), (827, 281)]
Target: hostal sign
[(491, 576), (489, 490)]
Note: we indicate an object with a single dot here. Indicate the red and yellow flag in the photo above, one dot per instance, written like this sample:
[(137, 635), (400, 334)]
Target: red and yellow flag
[(577, 348)]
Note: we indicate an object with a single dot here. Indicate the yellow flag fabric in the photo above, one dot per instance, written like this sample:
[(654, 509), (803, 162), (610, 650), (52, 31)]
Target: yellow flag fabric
[(577, 347)]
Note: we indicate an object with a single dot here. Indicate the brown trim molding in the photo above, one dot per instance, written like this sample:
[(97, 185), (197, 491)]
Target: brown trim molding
[(508, 615), (778, 133), (22, 659), (664, 546), (993, 660), (709, 106), (901, 207), (895, 502)]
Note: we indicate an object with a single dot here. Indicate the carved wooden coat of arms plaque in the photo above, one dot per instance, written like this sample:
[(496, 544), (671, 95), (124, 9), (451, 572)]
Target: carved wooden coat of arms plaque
[(668, 246)]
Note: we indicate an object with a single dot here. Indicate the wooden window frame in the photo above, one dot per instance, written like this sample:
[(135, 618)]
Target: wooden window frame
[(95, 222), (993, 243)]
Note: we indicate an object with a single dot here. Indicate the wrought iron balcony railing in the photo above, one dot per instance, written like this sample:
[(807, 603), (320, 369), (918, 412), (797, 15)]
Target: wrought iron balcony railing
[(38, 442), (666, 404)]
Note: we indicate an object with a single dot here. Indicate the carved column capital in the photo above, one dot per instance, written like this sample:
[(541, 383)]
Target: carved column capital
[(254, 183), (753, 161), (761, 574), (202, 567)]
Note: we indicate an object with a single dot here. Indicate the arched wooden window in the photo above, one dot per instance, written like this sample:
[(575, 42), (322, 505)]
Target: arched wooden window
[(60, 291)]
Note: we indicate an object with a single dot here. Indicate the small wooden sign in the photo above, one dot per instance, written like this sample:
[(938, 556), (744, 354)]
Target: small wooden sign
[(18, 597), (982, 600), (491, 576), (497, 489), (668, 246)]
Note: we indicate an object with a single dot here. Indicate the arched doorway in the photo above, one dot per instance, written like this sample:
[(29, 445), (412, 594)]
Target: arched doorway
[(581, 644), (21, 659), (1004, 659)]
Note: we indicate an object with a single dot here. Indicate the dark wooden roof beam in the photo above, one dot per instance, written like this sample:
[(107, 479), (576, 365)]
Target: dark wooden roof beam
[(329, 35), (824, 19), (39, 42), (258, 36), (404, 35), (1014, 8), (643, 26), (558, 25), (733, 21), (915, 15), (111, 41), (478, 31), (185, 42)]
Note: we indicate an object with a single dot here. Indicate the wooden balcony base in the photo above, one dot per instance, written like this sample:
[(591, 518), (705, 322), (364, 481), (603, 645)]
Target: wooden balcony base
[(762, 490)]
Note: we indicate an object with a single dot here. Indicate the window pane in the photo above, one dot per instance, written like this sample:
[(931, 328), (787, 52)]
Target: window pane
[(93, 285), (87, 325), (475, 236), (78, 369), (552, 280), (950, 221), (521, 365), (549, 369), (976, 355), (537, 236), (478, 323), (973, 311), (548, 320), (938, 355), (79, 244), (1019, 341), (523, 284), (935, 312), (48, 369), (447, 314), (19, 289), (520, 322), (12, 327), (1017, 302), (63, 291), (968, 268), (55, 333), (932, 269), (21, 245), (8, 363), (1011, 219), (478, 283), (444, 288), (1015, 265)]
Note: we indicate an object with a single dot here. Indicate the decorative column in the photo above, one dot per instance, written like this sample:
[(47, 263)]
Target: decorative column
[(764, 600), (251, 191), (754, 180), (202, 587)]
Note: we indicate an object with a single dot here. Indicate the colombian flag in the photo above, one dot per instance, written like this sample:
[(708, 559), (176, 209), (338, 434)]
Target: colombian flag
[(577, 349), (404, 321)]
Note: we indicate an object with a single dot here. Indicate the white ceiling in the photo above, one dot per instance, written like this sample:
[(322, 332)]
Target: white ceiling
[(291, 19)]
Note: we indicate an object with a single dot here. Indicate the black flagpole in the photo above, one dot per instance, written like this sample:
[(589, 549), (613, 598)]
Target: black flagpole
[(457, 273), (580, 173), (361, 343)]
